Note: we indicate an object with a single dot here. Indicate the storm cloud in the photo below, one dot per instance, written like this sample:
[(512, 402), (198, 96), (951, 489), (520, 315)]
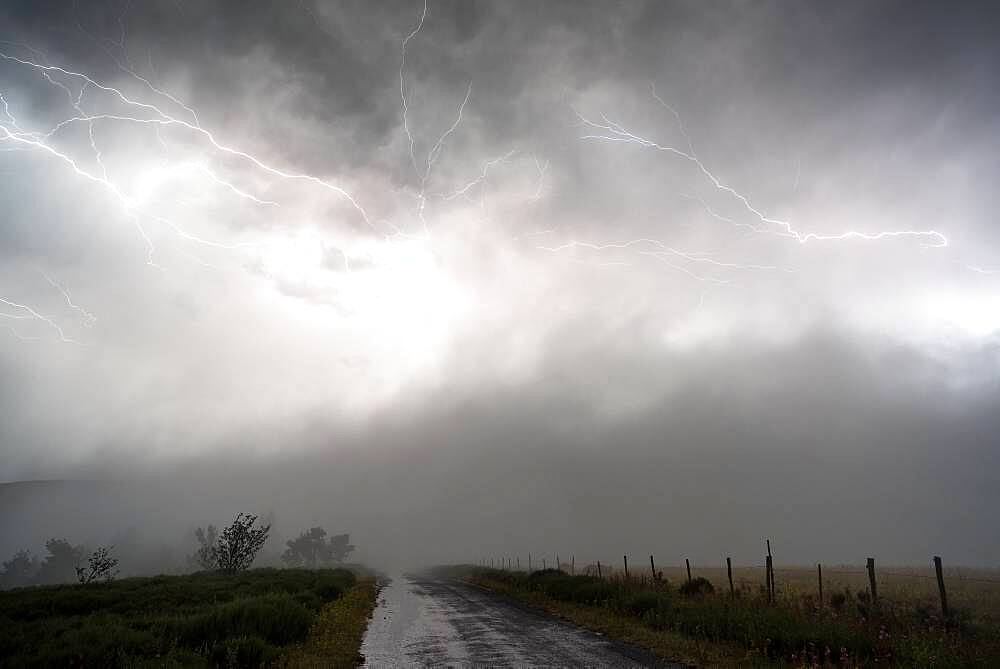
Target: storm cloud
[(594, 277)]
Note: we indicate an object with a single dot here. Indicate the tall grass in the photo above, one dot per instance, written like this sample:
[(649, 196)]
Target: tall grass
[(796, 630)]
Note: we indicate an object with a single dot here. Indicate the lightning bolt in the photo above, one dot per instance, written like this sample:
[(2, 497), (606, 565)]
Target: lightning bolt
[(89, 318), (542, 168), (100, 107), (607, 130), (434, 154), (655, 248), (162, 119), (432, 158), (24, 312), (480, 180), (402, 85), (14, 133)]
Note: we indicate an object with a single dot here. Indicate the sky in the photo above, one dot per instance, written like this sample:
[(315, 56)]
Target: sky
[(469, 278)]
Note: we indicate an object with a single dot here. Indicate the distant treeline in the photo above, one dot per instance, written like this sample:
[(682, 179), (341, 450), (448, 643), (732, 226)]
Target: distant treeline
[(233, 548)]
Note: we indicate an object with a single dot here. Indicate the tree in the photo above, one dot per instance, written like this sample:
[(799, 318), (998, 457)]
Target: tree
[(60, 564), (101, 566), (19, 570), (311, 549), (340, 547), (207, 556), (239, 543), (306, 550)]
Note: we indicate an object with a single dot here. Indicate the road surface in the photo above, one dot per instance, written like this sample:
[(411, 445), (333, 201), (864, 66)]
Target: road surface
[(424, 621)]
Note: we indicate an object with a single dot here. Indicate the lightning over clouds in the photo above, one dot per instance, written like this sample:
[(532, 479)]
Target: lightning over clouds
[(291, 226)]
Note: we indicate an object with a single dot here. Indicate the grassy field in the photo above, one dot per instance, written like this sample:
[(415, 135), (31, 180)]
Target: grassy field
[(714, 629), (975, 592), (258, 617)]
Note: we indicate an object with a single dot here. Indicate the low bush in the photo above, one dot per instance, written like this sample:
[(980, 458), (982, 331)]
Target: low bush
[(697, 587)]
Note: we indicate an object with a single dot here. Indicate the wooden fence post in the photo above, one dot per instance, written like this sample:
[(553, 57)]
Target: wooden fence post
[(819, 576), (767, 579), (529, 563), (770, 573), (729, 570), (688, 563), (652, 567), (626, 566), (770, 579), (519, 563), (572, 565), (599, 575), (544, 566), (557, 561), (871, 580), (940, 580)]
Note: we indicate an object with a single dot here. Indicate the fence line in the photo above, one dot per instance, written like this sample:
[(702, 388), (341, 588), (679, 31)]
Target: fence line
[(656, 577), (882, 573)]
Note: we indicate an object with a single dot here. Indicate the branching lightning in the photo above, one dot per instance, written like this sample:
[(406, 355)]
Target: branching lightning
[(402, 85), (16, 135), (95, 109), (100, 107), (610, 131), (89, 318), (25, 312)]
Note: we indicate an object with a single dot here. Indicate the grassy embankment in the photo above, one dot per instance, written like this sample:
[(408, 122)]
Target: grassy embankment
[(280, 617), (715, 630)]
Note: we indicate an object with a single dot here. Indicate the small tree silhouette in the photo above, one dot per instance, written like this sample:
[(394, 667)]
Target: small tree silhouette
[(339, 547), (311, 549), (101, 566), (239, 543), (207, 555), (19, 570), (60, 563)]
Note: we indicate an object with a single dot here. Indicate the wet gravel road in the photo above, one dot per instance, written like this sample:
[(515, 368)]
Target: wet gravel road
[(423, 621)]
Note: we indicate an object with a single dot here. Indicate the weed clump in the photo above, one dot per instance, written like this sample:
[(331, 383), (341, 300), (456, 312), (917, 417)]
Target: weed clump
[(697, 587)]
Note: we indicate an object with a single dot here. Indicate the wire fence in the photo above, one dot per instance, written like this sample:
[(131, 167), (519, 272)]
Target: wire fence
[(957, 578), (613, 569)]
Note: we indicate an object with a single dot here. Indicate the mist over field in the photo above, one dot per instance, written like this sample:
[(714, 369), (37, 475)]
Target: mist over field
[(471, 279)]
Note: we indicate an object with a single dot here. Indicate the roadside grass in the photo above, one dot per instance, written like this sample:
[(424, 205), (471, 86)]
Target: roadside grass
[(336, 636), (198, 620), (974, 591), (715, 630)]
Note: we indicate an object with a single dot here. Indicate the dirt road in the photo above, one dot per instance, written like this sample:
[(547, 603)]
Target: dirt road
[(424, 621)]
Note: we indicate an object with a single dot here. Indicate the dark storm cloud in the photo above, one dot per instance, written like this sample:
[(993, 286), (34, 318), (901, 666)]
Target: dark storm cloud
[(575, 409)]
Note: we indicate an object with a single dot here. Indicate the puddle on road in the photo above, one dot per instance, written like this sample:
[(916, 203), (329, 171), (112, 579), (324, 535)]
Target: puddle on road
[(408, 628), (428, 622)]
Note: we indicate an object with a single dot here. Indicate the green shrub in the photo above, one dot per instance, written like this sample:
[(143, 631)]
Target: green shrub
[(165, 621), (697, 587), (276, 618), (641, 603), (246, 651)]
